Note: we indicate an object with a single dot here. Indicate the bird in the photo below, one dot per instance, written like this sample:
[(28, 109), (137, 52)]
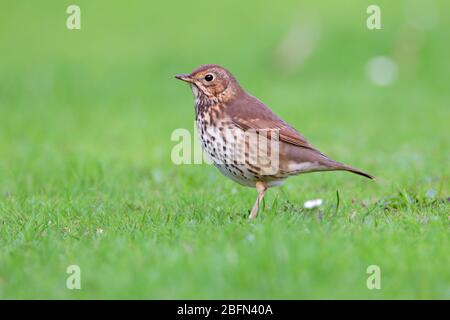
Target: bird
[(245, 139)]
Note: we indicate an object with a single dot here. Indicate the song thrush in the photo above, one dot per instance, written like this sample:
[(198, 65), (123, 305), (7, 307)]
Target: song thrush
[(246, 141)]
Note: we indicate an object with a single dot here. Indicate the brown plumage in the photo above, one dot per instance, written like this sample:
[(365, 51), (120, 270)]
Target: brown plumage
[(247, 141)]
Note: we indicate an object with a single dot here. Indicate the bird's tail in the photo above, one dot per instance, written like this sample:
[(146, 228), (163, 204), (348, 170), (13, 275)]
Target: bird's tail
[(334, 165), (356, 171)]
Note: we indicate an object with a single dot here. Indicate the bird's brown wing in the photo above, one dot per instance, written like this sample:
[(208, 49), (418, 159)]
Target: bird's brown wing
[(251, 114), (248, 112)]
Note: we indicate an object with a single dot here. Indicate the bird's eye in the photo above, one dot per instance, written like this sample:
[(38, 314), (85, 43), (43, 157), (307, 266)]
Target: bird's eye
[(209, 77)]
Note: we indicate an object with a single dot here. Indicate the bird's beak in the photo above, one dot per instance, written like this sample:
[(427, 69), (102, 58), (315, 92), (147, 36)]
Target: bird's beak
[(184, 77)]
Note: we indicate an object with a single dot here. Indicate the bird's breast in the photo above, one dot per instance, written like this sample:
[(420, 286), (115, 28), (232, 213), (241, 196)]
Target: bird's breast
[(235, 152)]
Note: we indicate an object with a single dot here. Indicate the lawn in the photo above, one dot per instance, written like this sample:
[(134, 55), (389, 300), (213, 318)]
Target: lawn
[(86, 176)]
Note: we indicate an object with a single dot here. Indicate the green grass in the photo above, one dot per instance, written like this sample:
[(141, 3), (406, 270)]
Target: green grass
[(86, 176)]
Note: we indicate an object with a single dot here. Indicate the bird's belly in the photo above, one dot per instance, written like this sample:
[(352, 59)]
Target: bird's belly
[(231, 154)]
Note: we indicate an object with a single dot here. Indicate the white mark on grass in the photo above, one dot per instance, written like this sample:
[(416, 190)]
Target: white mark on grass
[(310, 204), (187, 247), (431, 193), (157, 175), (250, 238), (381, 70)]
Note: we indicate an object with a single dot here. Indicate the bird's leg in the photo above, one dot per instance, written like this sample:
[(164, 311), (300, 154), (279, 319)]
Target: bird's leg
[(261, 188)]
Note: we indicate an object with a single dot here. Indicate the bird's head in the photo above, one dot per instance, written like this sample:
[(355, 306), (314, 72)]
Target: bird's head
[(211, 81)]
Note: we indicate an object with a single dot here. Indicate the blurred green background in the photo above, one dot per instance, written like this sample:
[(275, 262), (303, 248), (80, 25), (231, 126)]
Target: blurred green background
[(86, 177)]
